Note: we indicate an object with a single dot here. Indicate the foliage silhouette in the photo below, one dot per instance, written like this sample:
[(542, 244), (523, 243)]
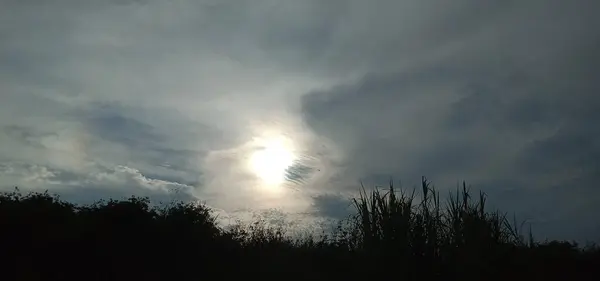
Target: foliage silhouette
[(392, 235)]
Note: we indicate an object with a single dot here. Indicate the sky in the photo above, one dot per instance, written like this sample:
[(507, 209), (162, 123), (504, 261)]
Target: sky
[(282, 107)]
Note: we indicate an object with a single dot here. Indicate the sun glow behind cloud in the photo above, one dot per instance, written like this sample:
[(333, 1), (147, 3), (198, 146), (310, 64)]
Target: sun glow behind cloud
[(271, 159)]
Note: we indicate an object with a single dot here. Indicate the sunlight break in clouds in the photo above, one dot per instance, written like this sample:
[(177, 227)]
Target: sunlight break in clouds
[(272, 159)]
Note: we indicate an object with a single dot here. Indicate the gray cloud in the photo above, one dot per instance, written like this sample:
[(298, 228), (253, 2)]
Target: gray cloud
[(332, 206), (99, 183), (118, 97), (513, 105)]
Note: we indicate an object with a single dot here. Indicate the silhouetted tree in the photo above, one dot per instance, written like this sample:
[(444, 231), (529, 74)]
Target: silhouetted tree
[(390, 236)]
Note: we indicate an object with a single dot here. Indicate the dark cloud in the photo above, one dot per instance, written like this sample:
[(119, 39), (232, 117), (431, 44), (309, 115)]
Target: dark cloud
[(570, 204), (570, 149), (333, 206), (522, 114), (298, 172), (120, 129)]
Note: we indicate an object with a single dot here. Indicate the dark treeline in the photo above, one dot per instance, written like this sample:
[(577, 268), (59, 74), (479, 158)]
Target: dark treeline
[(394, 234)]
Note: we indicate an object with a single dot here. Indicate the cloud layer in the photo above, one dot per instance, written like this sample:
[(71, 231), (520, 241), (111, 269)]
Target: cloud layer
[(114, 98)]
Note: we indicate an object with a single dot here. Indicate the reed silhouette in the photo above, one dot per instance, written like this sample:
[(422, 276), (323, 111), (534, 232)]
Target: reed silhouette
[(393, 234)]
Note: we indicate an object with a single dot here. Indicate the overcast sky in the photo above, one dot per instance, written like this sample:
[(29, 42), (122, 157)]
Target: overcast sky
[(168, 99)]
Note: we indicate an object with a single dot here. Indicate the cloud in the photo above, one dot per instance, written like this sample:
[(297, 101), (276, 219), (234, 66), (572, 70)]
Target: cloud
[(333, 206), (154, 95), (99, 183), (511, 100)]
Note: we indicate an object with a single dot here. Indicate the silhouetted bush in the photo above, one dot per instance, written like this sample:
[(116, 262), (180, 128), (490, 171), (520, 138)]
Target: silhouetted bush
[(392, 235)]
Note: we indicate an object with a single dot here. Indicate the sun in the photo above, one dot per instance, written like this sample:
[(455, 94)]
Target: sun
[(271, 160)]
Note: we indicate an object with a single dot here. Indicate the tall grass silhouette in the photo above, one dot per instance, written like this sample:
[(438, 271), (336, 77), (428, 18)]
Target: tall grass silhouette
[(393, 233)]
